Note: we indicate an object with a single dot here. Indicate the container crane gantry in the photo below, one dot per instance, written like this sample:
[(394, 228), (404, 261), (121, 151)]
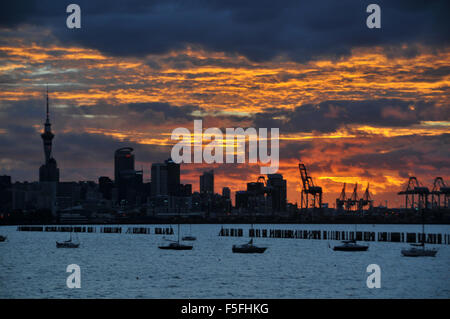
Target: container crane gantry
[(309, 190), (414, 188)]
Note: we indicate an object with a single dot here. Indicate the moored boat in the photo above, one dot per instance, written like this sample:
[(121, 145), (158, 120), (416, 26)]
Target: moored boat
[(248, 248), (419, 250), (189, 238), (350, 245), (68, 243), (176, 246)]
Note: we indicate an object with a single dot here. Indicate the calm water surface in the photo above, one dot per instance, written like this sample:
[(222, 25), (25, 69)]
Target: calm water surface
[(132, 266)]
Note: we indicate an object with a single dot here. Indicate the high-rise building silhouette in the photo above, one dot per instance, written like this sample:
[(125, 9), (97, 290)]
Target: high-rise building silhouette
[(226, 193), (278, 192), (241, 199), (49, 172), (123, 161), (5, 193), (185, 190), (127, 180), (105, 185), (173, 177), (166, 178), (159, 179), (207, 182)]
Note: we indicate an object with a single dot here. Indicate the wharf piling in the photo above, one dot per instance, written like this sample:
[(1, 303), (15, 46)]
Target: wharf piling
[(395, 237), (101, 229)]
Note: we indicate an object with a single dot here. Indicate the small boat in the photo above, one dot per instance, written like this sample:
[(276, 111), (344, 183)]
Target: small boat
[(248, 248), (419, 250), (176, 245), (189, 238), (68, 243), (350, 245), (2, 238)]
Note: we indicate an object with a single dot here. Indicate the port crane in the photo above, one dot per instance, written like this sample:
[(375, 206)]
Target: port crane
[(440, 194), (420, 201), (352, 201), (309, 190), (340, 202), (366, 200)]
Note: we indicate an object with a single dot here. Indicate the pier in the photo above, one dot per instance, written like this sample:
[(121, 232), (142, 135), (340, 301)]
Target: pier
[(101, 229), (395, 237)]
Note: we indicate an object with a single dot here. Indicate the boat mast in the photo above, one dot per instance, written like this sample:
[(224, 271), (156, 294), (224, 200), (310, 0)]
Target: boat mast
[(423, 229), (178, 224)]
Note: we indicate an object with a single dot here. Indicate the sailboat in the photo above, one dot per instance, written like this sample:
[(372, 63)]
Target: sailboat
[(350, 245), (68, 243), (419, 250), (189, 237), (248, 248), (176, 245)]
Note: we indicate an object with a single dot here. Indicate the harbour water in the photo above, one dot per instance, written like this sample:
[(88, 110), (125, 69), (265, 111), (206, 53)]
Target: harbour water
[(132, 266)]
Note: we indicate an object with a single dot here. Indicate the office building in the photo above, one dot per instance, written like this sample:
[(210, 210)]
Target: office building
[(159, 179), (277, 186), (173, 177), (207, 182)]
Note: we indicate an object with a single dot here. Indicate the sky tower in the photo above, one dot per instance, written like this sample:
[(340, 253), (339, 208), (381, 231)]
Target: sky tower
[(49, 172)]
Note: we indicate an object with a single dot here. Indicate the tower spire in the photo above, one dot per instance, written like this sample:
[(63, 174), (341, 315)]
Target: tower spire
[(47, 135), (49, 172), (48, 119)]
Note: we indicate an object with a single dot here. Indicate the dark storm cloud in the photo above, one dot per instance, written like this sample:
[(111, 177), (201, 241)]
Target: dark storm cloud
[(328, 116), (32, 112), (294, 150), (413, 154), (84, 147), (260, 30)]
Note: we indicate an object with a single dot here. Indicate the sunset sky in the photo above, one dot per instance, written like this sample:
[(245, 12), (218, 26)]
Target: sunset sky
[(354, 104)]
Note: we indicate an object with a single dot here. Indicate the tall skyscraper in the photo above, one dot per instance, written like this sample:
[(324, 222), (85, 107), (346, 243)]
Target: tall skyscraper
[(166, 178), (49, 172), (123, 161), (207, 182), (124, 174), (173, 177), (159, 179), (278, 192)]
